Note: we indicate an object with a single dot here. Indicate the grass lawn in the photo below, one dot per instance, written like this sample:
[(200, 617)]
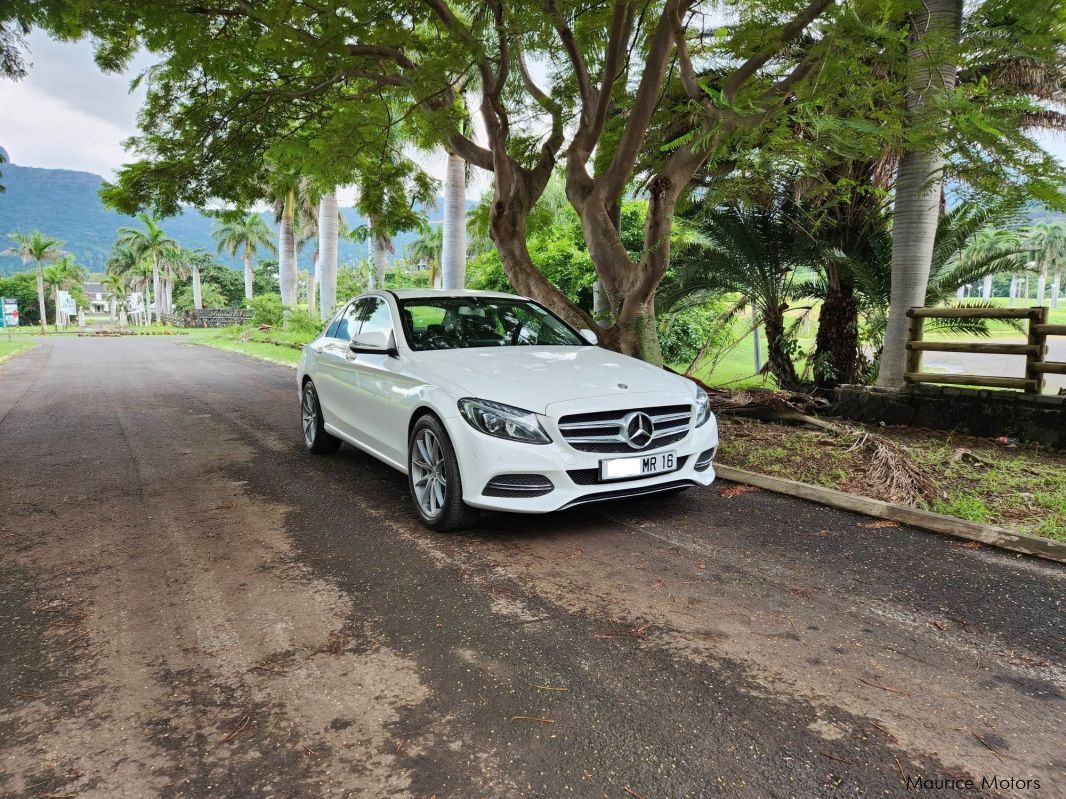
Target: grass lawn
[(18, 343), (1022, 488), (275, 346)]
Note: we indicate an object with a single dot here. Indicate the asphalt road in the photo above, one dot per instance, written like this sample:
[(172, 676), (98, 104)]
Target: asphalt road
[(191, 606), (957, 363)]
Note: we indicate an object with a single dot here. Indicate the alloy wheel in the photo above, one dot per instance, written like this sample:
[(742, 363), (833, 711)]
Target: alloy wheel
[(428, 472), (309, 415)]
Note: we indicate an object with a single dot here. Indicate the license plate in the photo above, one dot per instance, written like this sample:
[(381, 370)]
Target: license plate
[(640, 466)]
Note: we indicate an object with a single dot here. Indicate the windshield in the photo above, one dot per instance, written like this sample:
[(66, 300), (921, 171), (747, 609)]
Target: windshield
[(448, 323)]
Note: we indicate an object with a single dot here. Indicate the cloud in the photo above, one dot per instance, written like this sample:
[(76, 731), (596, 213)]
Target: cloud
[(42, 130), (67, 72)]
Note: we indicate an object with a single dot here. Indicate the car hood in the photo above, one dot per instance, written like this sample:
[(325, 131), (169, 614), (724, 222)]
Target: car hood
[(535, 377)]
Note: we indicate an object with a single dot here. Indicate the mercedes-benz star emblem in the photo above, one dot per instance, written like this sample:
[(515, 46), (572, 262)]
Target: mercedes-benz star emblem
[(637, 429)]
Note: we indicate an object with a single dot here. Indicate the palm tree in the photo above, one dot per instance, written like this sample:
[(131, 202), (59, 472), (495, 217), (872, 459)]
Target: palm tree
[(428, 249), (963, 254), (453, 258), (39, 249), (115, 286), (756, 251), (62, 275), (245, 234), (328, 237), (151, 245), (1048, 242), (919, 180)]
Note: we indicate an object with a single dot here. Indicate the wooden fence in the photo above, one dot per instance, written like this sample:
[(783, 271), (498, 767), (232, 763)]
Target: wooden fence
[(1034, 349)]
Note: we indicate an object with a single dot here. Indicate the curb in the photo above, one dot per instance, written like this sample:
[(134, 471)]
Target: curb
[(926, 520)]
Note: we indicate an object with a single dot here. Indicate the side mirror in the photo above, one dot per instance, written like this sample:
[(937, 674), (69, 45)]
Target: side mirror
[(374, 344), (589, 336)]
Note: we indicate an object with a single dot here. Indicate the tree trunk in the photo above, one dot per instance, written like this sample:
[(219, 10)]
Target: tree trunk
[(41, 305), (55, 302), (919, 180), (328, 227), (601, 310), (287, 255), (986, 288), (1056, 286), (454, 254), (197, 294), (777, 352), (381, 261), (155, 291), (838, 355), (248, 277), (1041, 285)]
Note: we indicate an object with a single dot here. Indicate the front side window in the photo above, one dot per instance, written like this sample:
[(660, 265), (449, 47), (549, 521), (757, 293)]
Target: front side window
[(347, 325), (375, 316), (447, 323)]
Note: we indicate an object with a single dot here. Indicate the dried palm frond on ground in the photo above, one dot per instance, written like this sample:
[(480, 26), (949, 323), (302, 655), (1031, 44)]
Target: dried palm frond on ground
[(894, 470)]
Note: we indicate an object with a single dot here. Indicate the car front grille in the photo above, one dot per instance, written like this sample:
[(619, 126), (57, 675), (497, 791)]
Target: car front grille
[(613, 431), (591, 477), (518, 485)]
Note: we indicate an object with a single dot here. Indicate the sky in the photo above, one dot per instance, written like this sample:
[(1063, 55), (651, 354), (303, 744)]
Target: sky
[(68, 114)]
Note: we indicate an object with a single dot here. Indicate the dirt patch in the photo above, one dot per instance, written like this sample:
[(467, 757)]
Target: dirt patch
[(191, 655)]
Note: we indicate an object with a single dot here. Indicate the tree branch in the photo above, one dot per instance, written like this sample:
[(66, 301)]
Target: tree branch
[(617, 173), (790, 31)]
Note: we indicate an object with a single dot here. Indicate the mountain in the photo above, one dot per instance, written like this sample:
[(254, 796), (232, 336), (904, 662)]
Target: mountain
[(66, 204)]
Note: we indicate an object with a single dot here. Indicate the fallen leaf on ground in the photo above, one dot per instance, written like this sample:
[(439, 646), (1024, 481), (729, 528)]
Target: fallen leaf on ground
[(735, 491), (880, 525)]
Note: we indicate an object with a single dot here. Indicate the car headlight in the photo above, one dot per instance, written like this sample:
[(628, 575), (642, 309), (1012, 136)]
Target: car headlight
[(703, 407), (503, 421)]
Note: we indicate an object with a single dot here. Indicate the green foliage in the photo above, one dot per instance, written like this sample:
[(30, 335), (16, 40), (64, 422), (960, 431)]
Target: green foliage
[(683, 334), (23, 287), (211, 296), (301, 322), (268, 310)]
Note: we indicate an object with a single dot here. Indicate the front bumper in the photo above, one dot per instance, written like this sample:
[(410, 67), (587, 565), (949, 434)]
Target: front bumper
[(483, 458)]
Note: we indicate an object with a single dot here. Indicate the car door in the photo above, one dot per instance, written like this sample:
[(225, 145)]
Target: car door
[(332, 379), (385, 392)]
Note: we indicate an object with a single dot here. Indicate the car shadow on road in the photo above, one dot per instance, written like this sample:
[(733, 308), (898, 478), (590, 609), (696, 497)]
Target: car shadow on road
[(389, 484)]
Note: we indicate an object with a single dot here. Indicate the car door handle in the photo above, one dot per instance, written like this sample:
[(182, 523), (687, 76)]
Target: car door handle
[(318, 350)]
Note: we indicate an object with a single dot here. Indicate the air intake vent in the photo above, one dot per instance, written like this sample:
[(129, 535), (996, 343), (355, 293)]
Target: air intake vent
[(703, 462), (518, 485)]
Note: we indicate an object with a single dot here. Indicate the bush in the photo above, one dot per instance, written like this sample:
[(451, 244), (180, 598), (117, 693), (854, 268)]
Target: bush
[(300, 321), (683, 334), (268, 310)]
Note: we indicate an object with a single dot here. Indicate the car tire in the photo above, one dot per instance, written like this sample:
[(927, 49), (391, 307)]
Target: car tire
[(316, 439), (433, 478)]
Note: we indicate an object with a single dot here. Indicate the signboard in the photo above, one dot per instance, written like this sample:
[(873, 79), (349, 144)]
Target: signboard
[(66, 303), (9, 312)]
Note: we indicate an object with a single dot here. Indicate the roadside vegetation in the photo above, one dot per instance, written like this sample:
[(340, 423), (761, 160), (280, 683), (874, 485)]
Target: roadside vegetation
[(1020, 487)]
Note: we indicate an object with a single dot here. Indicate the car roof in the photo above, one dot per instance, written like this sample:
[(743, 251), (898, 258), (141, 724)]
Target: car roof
[(424, 294)]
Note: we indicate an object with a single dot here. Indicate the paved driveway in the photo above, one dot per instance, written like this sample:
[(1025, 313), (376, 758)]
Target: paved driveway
[(998, 365), (191, 606)]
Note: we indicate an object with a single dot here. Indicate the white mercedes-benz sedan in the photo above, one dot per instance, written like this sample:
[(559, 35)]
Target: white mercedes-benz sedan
[(488, 400)]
